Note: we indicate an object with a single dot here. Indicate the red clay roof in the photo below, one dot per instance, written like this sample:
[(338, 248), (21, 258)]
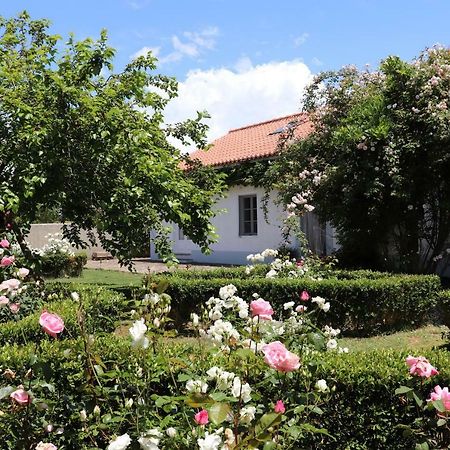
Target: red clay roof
[(251, 142)]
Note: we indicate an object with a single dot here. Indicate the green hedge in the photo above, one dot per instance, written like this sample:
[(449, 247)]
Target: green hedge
[(444, 306), (63, 265), (358, 306), (362, 411), (102, 307)]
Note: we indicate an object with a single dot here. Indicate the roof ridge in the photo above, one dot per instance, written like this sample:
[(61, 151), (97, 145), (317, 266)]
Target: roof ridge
[(265, 122)]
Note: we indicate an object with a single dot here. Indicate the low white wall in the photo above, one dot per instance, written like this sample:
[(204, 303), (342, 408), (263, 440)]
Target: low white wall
[(38, 231)]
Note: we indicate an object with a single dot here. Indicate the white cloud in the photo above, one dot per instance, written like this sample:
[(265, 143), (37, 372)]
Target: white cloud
[(144, 50), (300, 40), (241, 96), (192, 44)]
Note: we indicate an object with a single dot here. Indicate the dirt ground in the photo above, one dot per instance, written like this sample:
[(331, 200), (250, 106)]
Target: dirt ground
[(141, 265)]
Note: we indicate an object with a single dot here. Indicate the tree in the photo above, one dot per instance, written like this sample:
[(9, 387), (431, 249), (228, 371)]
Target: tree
[(77, 137), (377, 163)]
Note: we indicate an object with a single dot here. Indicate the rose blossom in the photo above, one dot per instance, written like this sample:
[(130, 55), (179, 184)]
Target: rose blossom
[(4, 243), (52, 324), (261, 308), (304, 296), (202, 417), (120, 443), (3, 300), (7, 261), (441, 394), (22, 273), (277, 356), (420, 366), (14, 307), (46, 446), (279, 407), (20, 396)]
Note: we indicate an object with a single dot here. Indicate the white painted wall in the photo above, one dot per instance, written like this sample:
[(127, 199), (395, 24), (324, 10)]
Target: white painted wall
[(38, 232), (232, 248)]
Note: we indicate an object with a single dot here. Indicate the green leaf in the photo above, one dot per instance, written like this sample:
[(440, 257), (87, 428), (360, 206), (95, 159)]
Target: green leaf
[(441, 422), (6, 391), (198, 400), (218, 412), (422, 446), (402, 390)]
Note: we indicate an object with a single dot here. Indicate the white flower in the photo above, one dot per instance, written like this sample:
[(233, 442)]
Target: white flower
[(22, 272), (83, 415), (269, 253), (256, 295), (332, 344), (321, 386), (129, 403), (331, 332), (96, 410), (301, 308), (248, 269), (326, 307), (156, 322), (319, 300), (209, 442), (343, 350), (247, 414), (241, 390), (271, 273), (120, 443), (288, 305), (171, 432), (150, 439), (75, 296), (195, 320), (137, 333), (227, 291), (309, 208), (196, 386)]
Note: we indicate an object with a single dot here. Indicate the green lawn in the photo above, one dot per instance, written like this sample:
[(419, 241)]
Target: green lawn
[(102, 277), (422, 338)]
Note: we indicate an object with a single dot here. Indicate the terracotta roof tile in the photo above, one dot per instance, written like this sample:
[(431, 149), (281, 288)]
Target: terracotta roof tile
[(251, 142)]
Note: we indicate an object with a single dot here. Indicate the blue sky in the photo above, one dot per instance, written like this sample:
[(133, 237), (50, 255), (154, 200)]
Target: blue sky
[(248, 60)]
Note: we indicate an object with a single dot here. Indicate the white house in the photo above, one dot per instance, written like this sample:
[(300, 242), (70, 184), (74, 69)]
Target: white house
[(242, 227)]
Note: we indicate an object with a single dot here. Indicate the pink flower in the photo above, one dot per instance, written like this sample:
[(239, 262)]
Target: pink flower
[(277, 356), (14, 307), (52, 324), (279, 407), (20, 396), (11, 285), (7, 261), (300, 263), (3, 300), (304, 296), (441, 394), (420, 366), (202, 417), (4, 243), (301, 308), (23, 272), (262, 309), (46, 446)]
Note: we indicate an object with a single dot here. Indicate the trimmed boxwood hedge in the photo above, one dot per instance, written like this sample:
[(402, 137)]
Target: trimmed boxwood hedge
[(102, 307), (359, 306), (63, 265), (362, 412)]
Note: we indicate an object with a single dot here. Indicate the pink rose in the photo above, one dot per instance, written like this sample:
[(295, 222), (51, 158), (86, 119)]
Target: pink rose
[(4, 243), (304, 296), (262, 309), (14, 307), (441, 394), (3, 300), (52, 324), (277, 356), (11, 285), (420, 366), (202, 417), (20, 396), (7, 261), (23, 272), (279, 407), (46, 446)]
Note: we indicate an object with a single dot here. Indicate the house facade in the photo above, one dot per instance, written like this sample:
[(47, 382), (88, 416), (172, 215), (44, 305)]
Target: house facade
[(241, 224)]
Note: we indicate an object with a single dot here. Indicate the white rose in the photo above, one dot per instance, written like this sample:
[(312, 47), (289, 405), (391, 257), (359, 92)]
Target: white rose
[(321, 386), (137, 333), (120, 443)]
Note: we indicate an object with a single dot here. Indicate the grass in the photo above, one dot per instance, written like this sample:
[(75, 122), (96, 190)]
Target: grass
[(107, 278), (421, 339)]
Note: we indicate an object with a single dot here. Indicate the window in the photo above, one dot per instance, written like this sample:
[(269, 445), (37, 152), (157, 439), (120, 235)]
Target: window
[(248, 215)]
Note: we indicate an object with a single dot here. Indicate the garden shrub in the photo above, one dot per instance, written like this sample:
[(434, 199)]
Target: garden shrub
[(444, 306), (62, 265), (102, 308), (362, 412), (359, 306)]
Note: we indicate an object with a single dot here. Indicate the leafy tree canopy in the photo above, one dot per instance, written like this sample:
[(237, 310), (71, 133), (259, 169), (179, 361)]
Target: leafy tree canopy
[(78, 137), (377, 164)]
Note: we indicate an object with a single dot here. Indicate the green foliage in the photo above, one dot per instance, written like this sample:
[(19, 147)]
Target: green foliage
[(102, 310), (359, 306), (91, 143), (63, 265), (377, 162)]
